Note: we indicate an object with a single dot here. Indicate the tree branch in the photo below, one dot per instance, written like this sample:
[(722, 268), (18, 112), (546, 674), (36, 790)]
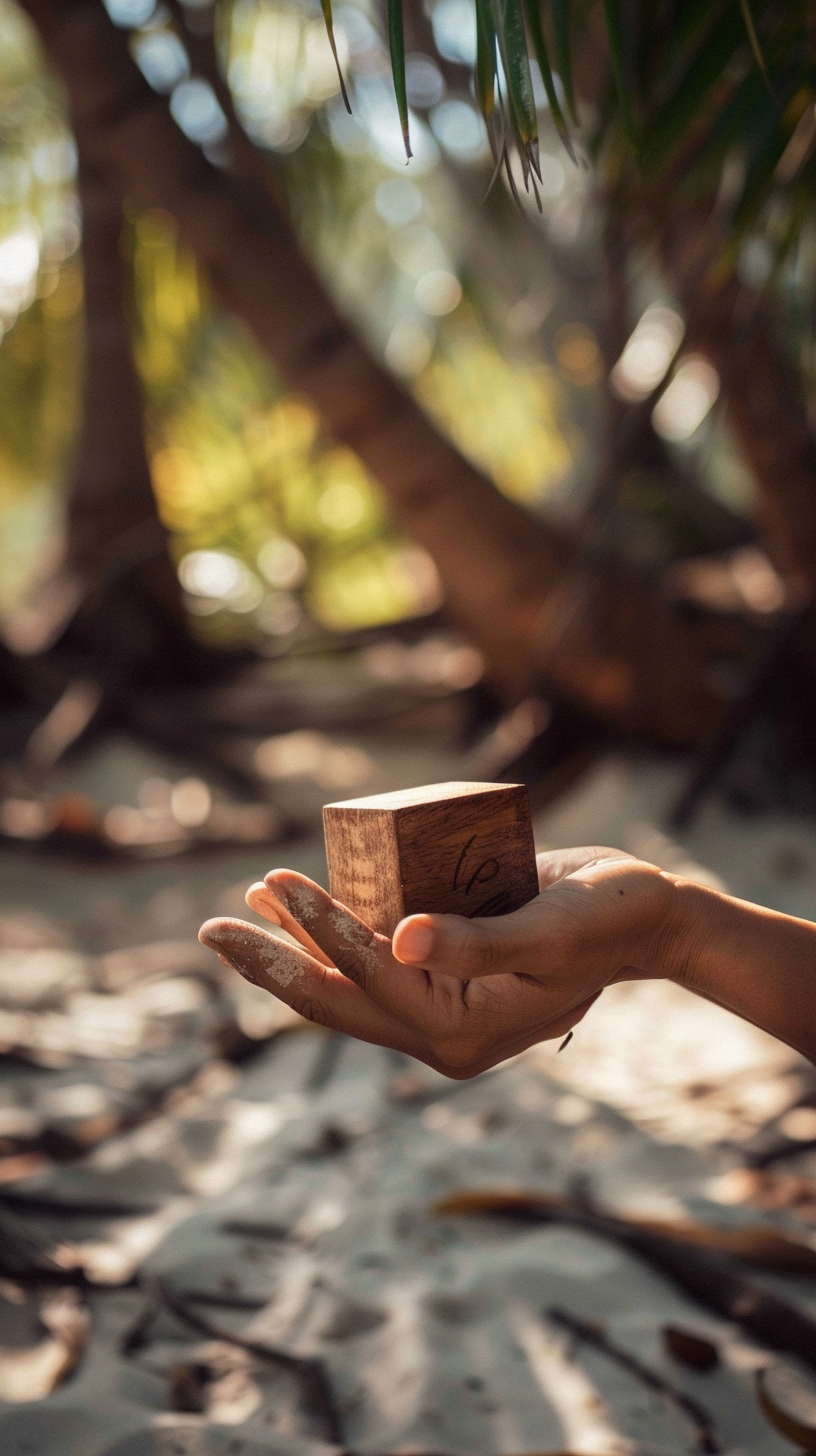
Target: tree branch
[(611, 645), (706, 1439)]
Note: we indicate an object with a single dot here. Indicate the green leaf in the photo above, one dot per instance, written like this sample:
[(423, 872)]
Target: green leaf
[(759, 176), (561, 13), (693, 14), (735, 119), (753, 38), (485, 59), (396, 42), (613, 30), (513, 40), (739, 125), (735, 125), (767, 138), (709, 64), (731, 127), (540, 48), (327, 16), (801, 204)]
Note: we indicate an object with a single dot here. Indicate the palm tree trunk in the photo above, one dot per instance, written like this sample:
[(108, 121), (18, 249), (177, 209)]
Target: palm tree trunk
[(110, 498), (762, 390), (113, 599), (510, 580), (767, 409)]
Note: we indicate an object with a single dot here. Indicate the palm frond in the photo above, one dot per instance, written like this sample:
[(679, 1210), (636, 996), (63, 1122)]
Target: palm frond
[(689, 82), (396, 42), (614, 32), (536, 30), (750, 30), (562, 28), (486, 62), (328, 18), (512, 42), (670, 124)]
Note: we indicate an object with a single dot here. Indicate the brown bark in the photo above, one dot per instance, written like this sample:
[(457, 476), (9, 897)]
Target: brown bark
[(765, 404), (508, 578), (113, 574), (762, 390), (111, 512)]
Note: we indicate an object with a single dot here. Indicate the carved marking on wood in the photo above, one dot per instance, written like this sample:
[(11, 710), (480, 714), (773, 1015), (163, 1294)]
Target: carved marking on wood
[(461, 848)]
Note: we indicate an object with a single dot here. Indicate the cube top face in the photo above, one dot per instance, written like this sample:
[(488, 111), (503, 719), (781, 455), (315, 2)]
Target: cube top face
[(427, 794), (460, 848)]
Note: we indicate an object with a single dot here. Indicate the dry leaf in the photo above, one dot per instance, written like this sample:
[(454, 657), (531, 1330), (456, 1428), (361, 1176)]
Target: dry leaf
[(762, 1247), (188, 1386), (754, 1244), (690, 1349), (31, 1374), (498, 1200), (788, 1400)]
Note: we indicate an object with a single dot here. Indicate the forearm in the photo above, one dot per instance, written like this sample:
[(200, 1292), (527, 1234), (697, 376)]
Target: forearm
[(754, 961)]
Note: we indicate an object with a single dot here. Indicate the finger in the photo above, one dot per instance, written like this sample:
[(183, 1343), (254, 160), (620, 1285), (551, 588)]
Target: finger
[(319, 993), (499, 945), (467, 1027), (359, 952), (527, 941), (265, 902), (556, 864)]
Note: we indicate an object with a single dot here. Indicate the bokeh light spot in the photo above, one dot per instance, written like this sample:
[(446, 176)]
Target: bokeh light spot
[(196, 109), (190, 803), (398, 201), (341, 506), (438, 292), (683, 406), (578, 355), (459, 128), (281, 562), (648, 353)]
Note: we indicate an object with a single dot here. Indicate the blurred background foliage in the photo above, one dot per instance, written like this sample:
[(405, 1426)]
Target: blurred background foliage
[(273, 525), (492, 312), (40, 301)]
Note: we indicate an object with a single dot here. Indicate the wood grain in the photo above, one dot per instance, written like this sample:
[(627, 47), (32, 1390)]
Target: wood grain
[(457, 848)]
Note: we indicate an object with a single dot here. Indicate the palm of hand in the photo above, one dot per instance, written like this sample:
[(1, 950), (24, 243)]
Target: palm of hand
[(487, 989)]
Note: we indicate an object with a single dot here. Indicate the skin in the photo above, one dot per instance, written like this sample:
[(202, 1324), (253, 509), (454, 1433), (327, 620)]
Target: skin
[(463, 995)]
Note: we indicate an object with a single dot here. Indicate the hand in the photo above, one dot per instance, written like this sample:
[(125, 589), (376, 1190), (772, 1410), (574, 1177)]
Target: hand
[(459, 994)]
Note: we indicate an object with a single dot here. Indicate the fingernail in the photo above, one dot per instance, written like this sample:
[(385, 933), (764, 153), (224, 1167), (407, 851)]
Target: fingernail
[(413, 940), (259, 897), (275, 888), (298, 897)]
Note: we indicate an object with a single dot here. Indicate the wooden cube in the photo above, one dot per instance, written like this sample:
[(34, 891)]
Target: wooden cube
[(458, 848)]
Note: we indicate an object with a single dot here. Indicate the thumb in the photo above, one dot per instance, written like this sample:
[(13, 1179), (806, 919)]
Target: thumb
[(455, 946)]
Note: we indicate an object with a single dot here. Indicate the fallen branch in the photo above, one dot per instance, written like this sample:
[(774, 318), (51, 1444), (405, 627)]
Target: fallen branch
[(708, 1442), (715, 1280), (316, 1392), (756, 1244)]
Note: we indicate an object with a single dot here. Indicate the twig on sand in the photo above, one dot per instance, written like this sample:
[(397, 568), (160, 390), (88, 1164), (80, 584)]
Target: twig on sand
[(715, 1280), (316, 1392), (708, 1442)]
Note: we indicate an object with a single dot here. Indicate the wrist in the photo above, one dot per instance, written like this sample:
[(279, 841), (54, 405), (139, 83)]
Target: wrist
[(664, 937), (749, 959), (686, 933)]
